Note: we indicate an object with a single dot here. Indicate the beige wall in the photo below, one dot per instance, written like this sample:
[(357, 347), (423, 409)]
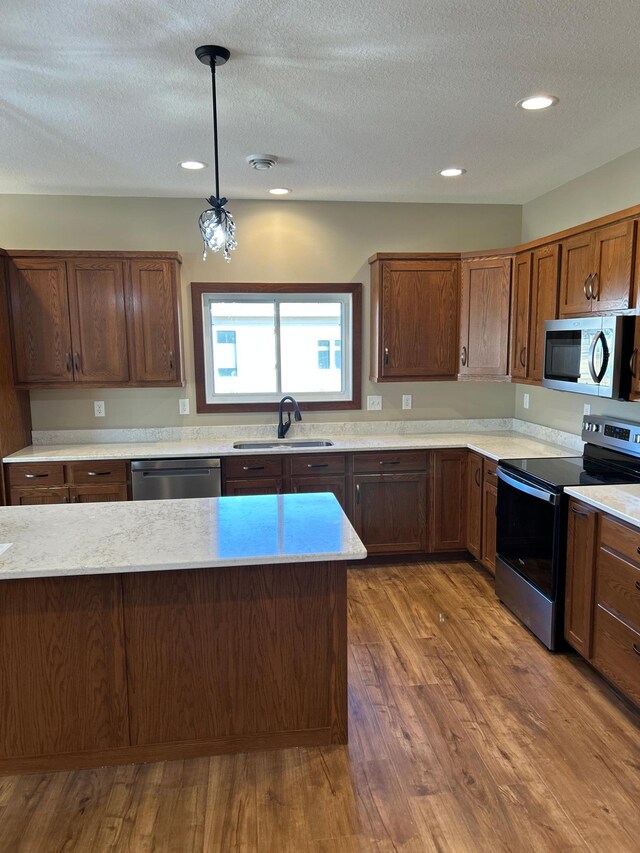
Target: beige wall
[(612, 187), (278, 241), (564, 410)]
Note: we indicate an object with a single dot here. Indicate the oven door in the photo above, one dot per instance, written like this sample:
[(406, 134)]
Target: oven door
[(529, 520)]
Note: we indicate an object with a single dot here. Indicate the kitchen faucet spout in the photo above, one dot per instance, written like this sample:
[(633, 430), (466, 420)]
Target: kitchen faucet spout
[(283, 426)]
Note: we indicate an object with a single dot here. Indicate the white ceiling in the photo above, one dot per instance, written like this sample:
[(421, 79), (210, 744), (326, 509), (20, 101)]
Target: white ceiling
[(361, 100)]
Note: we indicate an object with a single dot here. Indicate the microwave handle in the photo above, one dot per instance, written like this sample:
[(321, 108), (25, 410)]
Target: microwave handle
[(597, 377)]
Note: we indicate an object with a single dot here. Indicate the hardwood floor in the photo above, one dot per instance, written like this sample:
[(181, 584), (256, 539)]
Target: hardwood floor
[(465, 735)]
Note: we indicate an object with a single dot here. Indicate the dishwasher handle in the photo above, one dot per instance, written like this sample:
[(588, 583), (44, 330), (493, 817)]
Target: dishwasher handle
[(167, 466), (179, 472)]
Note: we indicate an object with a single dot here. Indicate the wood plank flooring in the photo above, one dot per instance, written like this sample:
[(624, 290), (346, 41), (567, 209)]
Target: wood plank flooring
[(465, 735)]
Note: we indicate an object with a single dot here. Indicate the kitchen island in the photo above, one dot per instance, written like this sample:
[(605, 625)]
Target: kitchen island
[(133, 632)]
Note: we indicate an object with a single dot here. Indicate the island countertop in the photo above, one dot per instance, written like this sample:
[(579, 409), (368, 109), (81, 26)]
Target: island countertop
[(147, 536)]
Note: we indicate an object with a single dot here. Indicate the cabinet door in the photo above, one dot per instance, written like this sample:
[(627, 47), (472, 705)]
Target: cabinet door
[(576, 274), (578, 603), (32, 497), (324, 483), (613, 262), (40, 321), (418, 317), (257, 486), (102, 493), (448, 500), (390, 512), (484, 324), (544, 303), (520, 313), (489, 501), (98, 322), (474, 505), (154, 322)]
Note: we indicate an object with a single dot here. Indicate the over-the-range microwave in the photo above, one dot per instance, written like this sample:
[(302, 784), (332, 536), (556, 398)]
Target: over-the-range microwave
[(589, 355)]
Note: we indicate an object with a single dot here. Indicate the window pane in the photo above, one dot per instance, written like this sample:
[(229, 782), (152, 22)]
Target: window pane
[(304, 327), (243, 344)]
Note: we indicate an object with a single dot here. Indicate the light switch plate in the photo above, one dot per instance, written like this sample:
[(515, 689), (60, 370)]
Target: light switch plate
[(374, 403), (98, 408), (525, 401), (183, 406), (407, 401)]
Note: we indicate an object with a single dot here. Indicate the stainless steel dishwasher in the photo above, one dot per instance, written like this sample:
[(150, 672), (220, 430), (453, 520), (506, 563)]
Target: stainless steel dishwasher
[(163, 479)]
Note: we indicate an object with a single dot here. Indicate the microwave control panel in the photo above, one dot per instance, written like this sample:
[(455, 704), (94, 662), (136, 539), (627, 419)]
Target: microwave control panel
[(607, 432)]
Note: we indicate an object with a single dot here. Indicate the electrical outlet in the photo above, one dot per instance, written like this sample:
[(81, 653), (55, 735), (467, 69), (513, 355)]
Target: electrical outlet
[(374, 403), (586, 409), (525, 401), (98, 408), (183, 406), (406, 401)]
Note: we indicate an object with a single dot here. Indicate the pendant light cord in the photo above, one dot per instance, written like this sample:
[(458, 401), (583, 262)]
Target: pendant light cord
[(215, 123)]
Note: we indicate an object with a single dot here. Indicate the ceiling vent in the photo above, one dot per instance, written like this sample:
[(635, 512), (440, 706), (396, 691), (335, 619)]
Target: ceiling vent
[(262, 162)]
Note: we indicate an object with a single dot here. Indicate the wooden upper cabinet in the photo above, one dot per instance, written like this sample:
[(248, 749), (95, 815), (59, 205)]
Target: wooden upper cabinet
[(596, 270), (544, 303), (520, 314), (414, 318), (484, 323), (98, 321), (154, 322), (40, 321)]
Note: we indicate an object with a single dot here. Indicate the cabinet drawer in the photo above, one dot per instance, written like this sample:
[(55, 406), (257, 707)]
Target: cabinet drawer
[(391, 462), (490, 475), (616, 652), (36, 474), (620, 538), (317, 463), (618, 586), (253, 466), (94, 473)]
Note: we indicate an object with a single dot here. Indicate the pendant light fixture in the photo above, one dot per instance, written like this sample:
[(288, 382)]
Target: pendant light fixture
[(217, 227)]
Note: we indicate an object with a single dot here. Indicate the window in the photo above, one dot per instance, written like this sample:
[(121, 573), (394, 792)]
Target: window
[(255, 343)]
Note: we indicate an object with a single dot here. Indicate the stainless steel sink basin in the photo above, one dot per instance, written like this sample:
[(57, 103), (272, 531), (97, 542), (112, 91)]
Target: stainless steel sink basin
[(270, 443)]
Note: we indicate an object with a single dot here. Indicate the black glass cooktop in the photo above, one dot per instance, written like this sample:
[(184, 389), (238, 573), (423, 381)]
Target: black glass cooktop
[(573, 471)]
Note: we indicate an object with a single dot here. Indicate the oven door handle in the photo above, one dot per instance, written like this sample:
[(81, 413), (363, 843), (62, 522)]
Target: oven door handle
[(522, 486)]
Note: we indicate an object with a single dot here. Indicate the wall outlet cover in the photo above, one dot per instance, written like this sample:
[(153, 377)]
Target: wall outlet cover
[(586, 409), (98, 408), (374, 403), (183, 406), (407, 401), (525, 401)]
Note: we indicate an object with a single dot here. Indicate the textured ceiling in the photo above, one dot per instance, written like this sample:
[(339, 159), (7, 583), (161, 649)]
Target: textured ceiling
[(360, 100)]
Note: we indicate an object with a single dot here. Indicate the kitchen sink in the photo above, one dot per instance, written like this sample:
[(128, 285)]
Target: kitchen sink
[(270, 443)]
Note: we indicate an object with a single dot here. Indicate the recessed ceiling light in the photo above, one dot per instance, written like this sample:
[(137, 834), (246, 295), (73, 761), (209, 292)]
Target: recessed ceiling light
[(537, 102), (279, 191), (452, 172), (193, 165)]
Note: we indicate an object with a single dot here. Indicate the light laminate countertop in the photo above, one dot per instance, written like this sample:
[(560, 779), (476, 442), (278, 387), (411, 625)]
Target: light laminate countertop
[(147, 536), (622, 502), (496, 445)]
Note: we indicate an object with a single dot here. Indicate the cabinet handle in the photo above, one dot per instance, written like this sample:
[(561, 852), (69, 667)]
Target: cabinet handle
[(318, 465), (523, 353), (358, 493), (35, 476), (98, 473), (491, 474), (632, 362), (253, 467), (389, 462), (595, 283), (65, 500), (386, 355), (477, 476), (578, 512), (587, 286), (74, 499), (170, 359), (638, 585), (68, 360), (638, 549), (76, 362), (463, 356), (635, 648)]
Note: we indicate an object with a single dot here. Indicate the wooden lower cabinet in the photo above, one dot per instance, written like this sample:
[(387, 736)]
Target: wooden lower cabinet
[(254, 486), (489, 503), (474, 504), (103, 493), (448, 500), (33, 496), (581, 543), (253, 475), (322, 483), (390, 512), (67, 482)]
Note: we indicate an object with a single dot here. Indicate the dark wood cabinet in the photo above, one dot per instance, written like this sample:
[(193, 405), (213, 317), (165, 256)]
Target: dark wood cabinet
[(597, 270), (101, 493), (520, 315), (448, 500), (474, 504), (91, 319), (253, 475), (254, 486), (390, 512), (484, 319), (414, 317), (579, 591), (319, 473), (31, 496), (544, 303), (489, 502), (70, 482)]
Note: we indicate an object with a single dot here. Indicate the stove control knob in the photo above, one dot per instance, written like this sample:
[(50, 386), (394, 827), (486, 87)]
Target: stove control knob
[(595, 427), (636, 438)]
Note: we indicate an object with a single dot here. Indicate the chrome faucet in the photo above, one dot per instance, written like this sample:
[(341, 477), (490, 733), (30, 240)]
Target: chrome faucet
[(282, 426)]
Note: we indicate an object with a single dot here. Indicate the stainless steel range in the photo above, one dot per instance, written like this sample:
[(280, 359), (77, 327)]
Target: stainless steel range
[(531, 538)]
